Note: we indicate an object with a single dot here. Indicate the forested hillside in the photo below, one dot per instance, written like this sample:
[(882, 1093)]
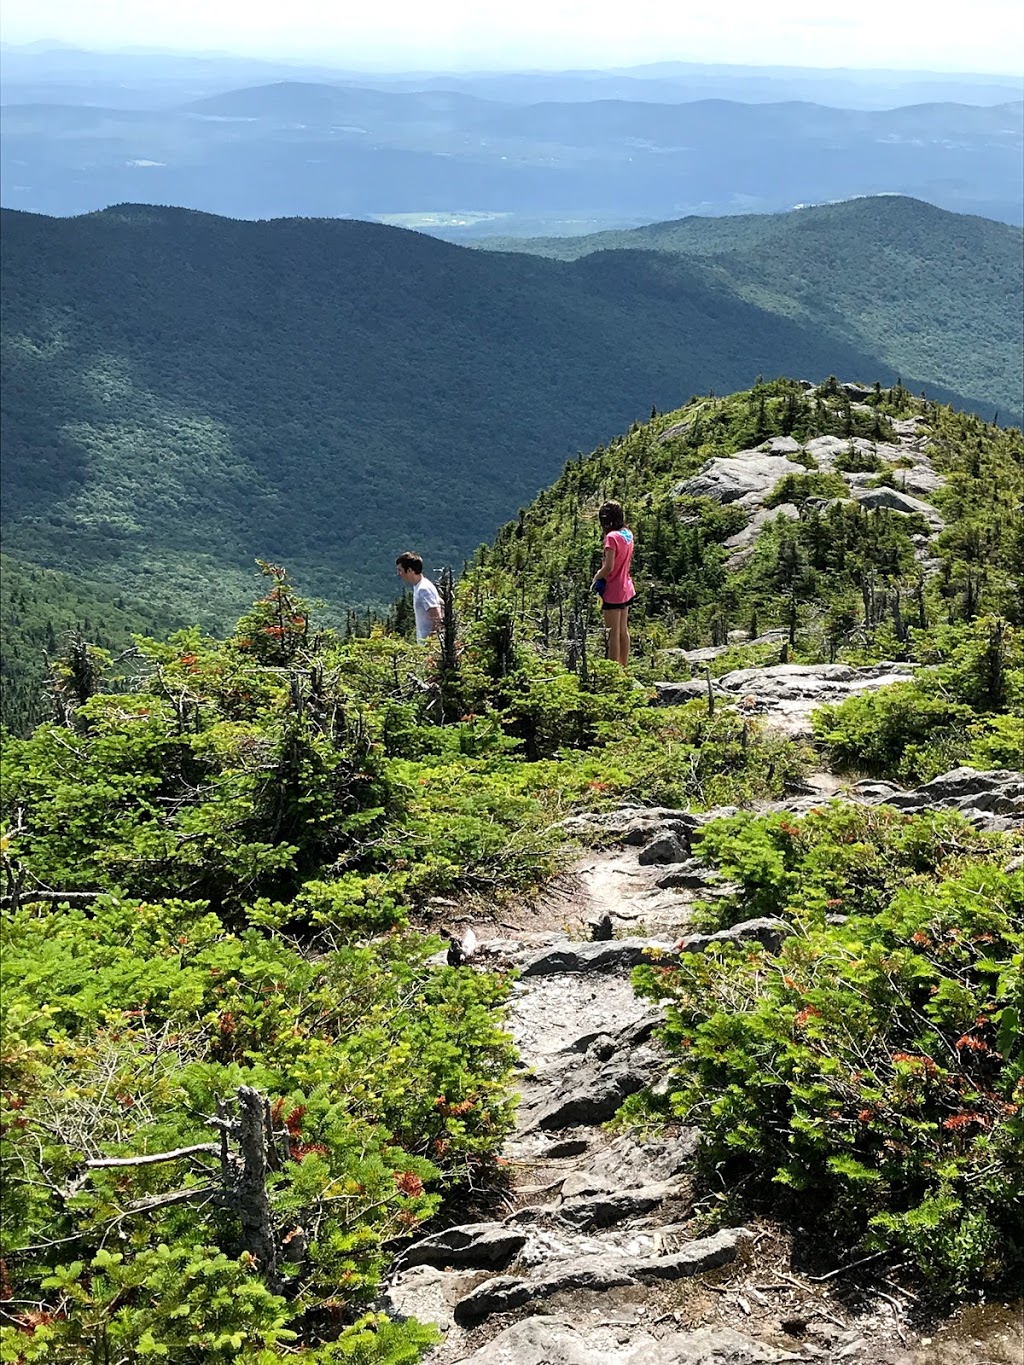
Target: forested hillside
[(238, 1076), (826, 265), (39, 610), (183, 394)]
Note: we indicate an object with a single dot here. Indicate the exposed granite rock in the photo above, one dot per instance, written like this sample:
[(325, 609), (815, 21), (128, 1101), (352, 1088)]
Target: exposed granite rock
[(896, 501), (503, 1294), (991, 800), (429, 1294), (788, 693), (604, 1208), (478, 1246), (781, 445), (693, 874), (727, 478), (619, 954), (679, 693), (590, 1091), (664, 848), (767, 931), (759, 520), (634, 825), (920, 478)]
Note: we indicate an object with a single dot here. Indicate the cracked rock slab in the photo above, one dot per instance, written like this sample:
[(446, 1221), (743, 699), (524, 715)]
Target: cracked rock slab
[(504, 1294), (588, 1095), (551, 1340), (477, 1246), (614, 955), (605, 1208)]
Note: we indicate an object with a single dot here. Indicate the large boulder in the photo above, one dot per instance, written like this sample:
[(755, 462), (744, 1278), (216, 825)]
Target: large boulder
[(750, 475), (896, 501)]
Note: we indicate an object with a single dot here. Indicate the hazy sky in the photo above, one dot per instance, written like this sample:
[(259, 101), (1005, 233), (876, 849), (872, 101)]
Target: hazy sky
[(981, 35)]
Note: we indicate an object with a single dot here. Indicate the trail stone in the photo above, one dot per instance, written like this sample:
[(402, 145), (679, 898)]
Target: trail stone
[(634, 825), (579, 1184), (703, 1254), (629, 1163), (618, 955), (602, 1210), (707, 1346), (872, 792), (601, 928), (592, 1095), (690, 875), (766, 931), (503, 1294), (664, 848), (599, 1273), (476, 1245), (679, 693), (539, 1341), (429, 1294)]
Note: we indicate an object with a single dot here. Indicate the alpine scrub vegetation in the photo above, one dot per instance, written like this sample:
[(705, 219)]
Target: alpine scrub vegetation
[(872, 1072), (234, 1075), (208, 881)]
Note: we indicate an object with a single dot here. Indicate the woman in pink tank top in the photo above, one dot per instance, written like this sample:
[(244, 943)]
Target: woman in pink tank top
[(613, 581)]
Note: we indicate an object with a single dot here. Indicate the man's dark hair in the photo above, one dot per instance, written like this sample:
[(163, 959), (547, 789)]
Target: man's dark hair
[(611, 516), (410, 562)]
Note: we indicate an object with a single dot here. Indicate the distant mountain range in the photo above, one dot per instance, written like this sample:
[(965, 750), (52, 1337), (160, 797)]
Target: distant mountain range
[(451, 162), (51, 73), (184, 393)]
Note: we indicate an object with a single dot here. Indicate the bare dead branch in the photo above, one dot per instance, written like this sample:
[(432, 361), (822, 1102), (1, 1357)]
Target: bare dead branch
[(152, 1158)]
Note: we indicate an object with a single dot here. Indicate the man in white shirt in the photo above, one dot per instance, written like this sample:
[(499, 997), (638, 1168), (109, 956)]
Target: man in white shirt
[(425, 600)]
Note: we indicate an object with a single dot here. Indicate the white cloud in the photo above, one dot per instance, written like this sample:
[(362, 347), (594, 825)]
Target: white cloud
[(986, 35)]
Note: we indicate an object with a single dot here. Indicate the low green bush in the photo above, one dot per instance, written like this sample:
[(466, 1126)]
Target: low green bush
[(870, 1074)]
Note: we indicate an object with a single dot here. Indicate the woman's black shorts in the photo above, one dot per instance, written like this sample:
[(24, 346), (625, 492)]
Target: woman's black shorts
[(618, 606)]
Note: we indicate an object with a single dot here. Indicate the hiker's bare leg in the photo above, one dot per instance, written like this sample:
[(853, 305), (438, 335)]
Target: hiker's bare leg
[(618, 636)]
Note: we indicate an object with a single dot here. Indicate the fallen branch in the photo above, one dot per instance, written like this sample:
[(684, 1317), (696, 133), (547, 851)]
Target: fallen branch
[(27, 897)]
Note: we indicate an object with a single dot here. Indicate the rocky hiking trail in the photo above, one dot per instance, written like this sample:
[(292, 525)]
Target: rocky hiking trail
[(594, 1254), (598, 1251)]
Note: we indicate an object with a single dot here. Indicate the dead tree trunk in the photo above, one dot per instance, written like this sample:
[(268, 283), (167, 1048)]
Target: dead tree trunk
[(250, 1177)]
